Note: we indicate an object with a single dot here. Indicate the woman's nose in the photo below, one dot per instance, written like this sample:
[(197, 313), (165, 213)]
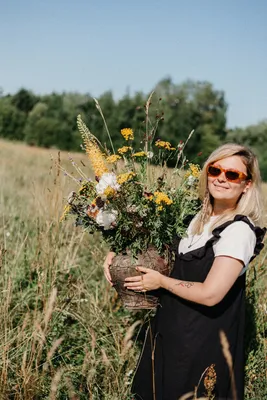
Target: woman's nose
[(221, 177)]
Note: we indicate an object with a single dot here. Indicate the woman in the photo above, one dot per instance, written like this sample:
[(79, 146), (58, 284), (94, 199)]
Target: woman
[(205, 293)]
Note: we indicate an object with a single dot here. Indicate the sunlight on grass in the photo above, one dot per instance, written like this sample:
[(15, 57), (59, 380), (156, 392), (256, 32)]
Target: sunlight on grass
[(64, 333)]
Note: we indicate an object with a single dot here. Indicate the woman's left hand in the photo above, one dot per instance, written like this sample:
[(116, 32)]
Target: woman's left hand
[(147, 280)]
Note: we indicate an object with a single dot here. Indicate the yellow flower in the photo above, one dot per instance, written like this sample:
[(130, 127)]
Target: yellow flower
[(124, 149), (194, 170), (113, 158), (140, 154), (66, 210), (82, 188), (162, 198), (164, 145), (95, 155), (96, 158), (160, 208), (109, 192), (127, 133), (122, 178)]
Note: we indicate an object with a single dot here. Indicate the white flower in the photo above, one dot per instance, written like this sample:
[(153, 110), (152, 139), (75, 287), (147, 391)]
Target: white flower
[(150, 154), (131, 208), (107, 219), (191, 180), (71, 197), (107, 179)]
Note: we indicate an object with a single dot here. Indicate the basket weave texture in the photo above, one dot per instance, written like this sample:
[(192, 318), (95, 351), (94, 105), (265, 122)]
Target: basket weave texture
[(123, 266)]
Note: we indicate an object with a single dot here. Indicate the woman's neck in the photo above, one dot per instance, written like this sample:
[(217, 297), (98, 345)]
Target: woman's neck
[(221, 207)]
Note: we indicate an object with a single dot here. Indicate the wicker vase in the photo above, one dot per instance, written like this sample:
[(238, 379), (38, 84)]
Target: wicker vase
[(123, 266)]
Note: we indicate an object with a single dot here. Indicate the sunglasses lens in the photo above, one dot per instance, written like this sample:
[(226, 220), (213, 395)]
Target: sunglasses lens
[(214, 171), (232, 175)]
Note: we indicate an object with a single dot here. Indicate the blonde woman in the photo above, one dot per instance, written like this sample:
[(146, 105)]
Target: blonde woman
[(205, 293)]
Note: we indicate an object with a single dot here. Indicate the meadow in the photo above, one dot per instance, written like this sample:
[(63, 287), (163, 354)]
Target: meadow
[(64, 333)]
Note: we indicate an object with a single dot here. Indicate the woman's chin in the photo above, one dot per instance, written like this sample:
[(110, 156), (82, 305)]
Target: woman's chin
[(220, 195)]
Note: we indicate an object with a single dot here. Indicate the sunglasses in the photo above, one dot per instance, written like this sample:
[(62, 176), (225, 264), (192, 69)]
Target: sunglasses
[(232, 175)]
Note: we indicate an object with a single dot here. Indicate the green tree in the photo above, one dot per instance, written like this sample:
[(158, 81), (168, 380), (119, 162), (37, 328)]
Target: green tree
[(24, 100), (254, 136), (12, 121), (193, 106), (176, 109)]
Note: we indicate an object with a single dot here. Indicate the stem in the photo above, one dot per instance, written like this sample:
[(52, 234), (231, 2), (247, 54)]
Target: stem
[(102, 115), (147, 120)]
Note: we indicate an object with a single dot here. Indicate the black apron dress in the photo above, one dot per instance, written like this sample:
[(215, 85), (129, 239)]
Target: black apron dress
[(183, 338)]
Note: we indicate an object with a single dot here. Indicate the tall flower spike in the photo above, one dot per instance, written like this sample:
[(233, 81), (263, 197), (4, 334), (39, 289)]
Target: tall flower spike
[(92, 149)]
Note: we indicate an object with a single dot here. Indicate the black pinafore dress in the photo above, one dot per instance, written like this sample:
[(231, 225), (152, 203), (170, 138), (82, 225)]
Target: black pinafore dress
[(183, 339)]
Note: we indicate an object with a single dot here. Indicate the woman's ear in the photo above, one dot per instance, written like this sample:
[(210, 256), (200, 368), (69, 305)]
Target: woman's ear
[(248, 184)]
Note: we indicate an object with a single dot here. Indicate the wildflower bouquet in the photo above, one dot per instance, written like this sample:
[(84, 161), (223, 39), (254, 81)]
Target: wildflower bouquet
[(135, 200)]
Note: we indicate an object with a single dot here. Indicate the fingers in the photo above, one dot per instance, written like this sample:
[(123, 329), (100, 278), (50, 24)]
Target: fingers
[(138, 277), (136, 287), (134, 278), (110, 257), (107, 263), (135, 283), (143, 269), (107, 276), (106, 271)]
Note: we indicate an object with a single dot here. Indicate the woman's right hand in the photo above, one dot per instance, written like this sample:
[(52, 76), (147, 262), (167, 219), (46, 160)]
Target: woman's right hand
[(107, 264)]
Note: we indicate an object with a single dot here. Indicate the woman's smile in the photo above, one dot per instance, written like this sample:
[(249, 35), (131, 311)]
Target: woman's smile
[(218, 187)]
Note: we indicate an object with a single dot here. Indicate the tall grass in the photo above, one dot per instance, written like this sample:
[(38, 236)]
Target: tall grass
[(64, 334)]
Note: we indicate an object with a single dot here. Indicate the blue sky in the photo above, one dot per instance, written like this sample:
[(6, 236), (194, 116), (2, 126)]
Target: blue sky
[(93, 46)]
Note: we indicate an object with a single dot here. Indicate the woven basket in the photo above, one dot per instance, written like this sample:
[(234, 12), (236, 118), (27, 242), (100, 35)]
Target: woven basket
[(123, 266)]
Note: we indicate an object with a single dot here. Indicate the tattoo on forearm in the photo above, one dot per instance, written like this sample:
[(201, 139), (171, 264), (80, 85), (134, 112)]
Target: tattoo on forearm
[(185, 284), (188, 285)]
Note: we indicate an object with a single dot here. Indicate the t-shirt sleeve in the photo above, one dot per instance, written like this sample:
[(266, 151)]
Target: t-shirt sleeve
[(238, 240)]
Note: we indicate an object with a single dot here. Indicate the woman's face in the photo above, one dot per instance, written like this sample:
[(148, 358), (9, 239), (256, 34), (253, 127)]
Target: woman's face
[(222, 189)]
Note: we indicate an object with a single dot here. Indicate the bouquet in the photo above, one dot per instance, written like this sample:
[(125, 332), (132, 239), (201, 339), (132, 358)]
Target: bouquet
[(136, 202)]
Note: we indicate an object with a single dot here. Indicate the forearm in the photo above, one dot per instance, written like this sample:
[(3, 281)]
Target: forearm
[(192, 291), (223, 274)]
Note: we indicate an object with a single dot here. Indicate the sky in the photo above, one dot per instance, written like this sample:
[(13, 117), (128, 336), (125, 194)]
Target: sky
[(130, 45)]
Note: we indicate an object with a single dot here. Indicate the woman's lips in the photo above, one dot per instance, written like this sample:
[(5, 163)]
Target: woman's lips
[(220, 187)]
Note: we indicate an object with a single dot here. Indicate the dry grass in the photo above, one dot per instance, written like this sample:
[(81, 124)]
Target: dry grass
[(62, 329), (63, 332)]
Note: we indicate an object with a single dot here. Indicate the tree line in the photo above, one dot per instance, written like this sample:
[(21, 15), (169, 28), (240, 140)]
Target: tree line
[(176, 109)]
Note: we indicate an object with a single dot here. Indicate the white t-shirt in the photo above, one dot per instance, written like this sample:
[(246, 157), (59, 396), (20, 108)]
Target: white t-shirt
[(237, 241)]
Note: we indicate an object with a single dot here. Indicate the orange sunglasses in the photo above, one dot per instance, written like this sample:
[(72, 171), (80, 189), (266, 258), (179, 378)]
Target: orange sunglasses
[(232, 175)]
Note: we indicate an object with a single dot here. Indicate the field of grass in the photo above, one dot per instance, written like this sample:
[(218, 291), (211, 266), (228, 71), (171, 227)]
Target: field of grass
[(64, 334)]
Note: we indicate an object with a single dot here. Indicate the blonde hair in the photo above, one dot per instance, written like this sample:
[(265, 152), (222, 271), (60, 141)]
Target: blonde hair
[(249, 204)]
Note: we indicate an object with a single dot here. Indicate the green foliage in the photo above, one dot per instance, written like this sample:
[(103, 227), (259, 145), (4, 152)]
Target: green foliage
[(59, 318), (132, 209), (12, 120), (193, 105), (24, 100), (179, 108), (254, 136), (190, 105), (256, 329)]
